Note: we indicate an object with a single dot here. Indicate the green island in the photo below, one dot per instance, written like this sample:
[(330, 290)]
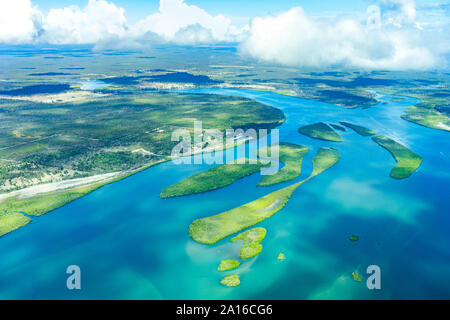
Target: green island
[(320, 131), (407, 160), (211, 229), (292, 156), (231, 281), (252, 242), (226, 265), (281, 257), (250, 250), (363, 131), (212, 179), (12, 221), (357, 277), (354, 238)]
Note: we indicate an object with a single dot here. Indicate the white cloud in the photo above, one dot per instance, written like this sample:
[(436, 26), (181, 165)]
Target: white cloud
[(98, 21), (293, 38), (193, 34), (20, 22), (178, 19)]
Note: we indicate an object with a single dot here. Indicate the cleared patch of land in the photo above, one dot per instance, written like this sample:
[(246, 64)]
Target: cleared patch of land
[(12, 221), (320, 131), (292, 156), (363, 131), (212, 179), (64, 185), (407, 160), (209, 230)]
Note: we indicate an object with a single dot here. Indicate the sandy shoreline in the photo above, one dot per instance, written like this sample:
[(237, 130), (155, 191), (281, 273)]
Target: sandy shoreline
[(53, 187), (60, 185)]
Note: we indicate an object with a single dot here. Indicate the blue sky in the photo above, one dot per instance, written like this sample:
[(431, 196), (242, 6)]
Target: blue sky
[(139, 9)]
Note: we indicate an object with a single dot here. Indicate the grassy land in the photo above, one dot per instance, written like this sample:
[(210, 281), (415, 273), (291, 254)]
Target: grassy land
[(427, 117), (104, 135), (251, 242), (407, 160), (226, 265), (363, 131), (323, 160), (212, 229), (12, 221), (292, 156), (40, 205), (320, 131), (433, 111), (212, 179)]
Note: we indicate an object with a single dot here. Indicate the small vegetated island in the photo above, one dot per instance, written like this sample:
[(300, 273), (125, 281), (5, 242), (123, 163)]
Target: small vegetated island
[(407, 160), (212, 179), (226, 265), (292, 156), (363, 131), (210, 230), (226, 174), (320, 131), (251, 240), (231, 281)]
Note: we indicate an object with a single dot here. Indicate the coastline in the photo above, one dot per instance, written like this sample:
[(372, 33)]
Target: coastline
[(84, 189), (78, 188)]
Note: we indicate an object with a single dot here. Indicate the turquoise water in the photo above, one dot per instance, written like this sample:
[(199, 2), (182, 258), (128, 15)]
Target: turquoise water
[(130, 244)]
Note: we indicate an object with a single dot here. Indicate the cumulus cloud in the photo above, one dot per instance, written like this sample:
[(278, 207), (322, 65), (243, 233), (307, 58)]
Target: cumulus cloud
[(20, 22), (103, 23), (98, 21), (177, 21), (293, 38)]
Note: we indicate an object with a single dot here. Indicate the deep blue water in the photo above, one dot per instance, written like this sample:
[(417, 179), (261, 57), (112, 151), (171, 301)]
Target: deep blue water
[(36, 89), (131, 244)]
